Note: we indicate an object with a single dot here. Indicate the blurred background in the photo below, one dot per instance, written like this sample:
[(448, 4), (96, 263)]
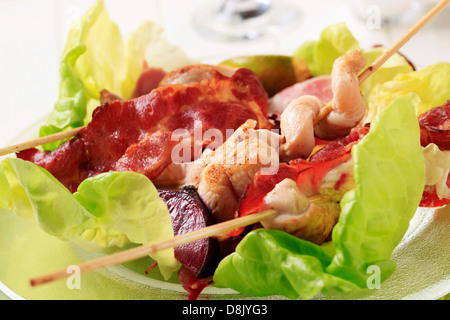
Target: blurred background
[(33, 33)]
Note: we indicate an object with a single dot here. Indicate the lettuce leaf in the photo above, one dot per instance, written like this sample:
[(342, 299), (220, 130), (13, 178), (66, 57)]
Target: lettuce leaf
[(89, 64), (389, 175), (429, 83), (107, 211), (395, 65), (389, 170), (334, 41), (272, 262), (95, 57)]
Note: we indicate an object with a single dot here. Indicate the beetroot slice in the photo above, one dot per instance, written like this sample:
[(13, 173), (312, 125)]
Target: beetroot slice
[(188, 214)]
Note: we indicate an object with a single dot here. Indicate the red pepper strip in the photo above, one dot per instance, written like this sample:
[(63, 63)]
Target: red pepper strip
[(313, 172), (255, 193)]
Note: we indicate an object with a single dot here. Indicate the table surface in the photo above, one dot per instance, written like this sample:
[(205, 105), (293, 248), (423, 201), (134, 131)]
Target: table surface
[(33, 33)]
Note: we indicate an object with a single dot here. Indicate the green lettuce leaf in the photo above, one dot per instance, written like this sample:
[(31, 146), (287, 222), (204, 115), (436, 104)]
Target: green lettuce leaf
[(95, 57), (89, 64), (389, 174), (389, 170), (107, 211), (395, 65), (431, 84), (334, 41), (272, 262)]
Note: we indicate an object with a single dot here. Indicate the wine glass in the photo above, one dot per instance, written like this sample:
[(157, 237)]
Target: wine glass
[(234, 20)]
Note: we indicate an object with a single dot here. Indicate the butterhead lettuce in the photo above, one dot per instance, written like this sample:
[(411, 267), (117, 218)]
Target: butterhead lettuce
[(431, 84), (389, 176), (107, 211), (334, 41)]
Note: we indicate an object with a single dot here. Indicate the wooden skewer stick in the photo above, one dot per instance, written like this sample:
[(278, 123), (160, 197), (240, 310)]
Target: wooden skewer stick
[(145, 250), (40, 141), (389, 52)]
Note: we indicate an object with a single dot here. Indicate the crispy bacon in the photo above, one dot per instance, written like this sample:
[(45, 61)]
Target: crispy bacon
[(337, 148), (435, 127), (107, 96), (63, 163), (150, 156), (135, 134)]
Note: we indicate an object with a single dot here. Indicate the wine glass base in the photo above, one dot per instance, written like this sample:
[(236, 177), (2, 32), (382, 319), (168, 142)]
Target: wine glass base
[(280, 16)]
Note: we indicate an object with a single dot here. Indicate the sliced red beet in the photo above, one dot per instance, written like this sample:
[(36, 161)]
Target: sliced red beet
[(188, 214)]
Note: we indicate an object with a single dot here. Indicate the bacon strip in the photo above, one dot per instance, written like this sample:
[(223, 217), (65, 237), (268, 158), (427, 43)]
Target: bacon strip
[(135, 134), (435, 127), (63, 163)]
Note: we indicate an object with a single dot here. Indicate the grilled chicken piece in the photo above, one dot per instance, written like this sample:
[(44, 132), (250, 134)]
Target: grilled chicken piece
[(228, 170), (297, 216), (297, 127), (348, 104), (348, 108), (299, 213)]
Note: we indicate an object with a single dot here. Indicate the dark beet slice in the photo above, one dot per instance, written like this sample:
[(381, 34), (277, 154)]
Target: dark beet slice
[(188, 214)]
